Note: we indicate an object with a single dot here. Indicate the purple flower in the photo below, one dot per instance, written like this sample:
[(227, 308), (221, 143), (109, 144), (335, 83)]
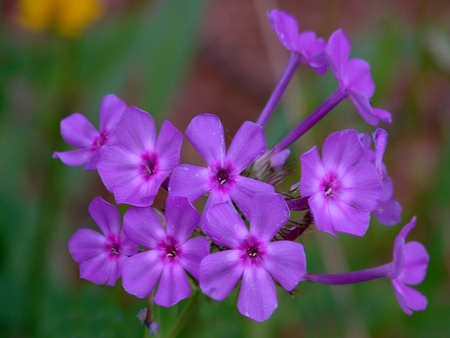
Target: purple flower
[(306, 44), (252, 256), (134, 168), (221, 178), (79, 132), (409, 267), (343, 188), (101, 256), (171, 252), (354, 78)]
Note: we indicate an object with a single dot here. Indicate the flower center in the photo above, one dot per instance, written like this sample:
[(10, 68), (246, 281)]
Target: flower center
[(149, 164), (328, 189), (252, 252), (171, 251), (100, 140), (222, 176), (114, 248), (149, 167)]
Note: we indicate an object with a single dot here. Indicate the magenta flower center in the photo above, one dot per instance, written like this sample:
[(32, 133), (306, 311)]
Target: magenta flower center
[(171, 251), (114, 248), (252, 252), (100, 140), (149, 164), (222, 176)]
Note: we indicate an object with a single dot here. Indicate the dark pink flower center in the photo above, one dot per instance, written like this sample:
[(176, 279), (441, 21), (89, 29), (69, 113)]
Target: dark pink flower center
[(222, 176), (100, 140), (114, 248), (171, 251), (328, 189), (149, 164), (252, 252)]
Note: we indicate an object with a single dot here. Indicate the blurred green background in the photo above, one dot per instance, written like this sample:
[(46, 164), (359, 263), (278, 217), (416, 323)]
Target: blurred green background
[(177, 59)]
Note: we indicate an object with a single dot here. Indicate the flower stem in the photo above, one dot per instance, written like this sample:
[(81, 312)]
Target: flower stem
[(187, 311), (382, 271), (331, 102), (286, 76)]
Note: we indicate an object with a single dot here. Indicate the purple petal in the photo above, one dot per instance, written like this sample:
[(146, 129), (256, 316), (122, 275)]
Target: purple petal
[(143, 226), (74, 158), (96, 157), (362, 105), (399, 243), (136, 131), (78, 131), (334, 214), (268, 215), (380, 139), (244, 190), (223, 225), (181, 218), (286, 263), (106, 216), (128, 247), (102, 269), (388, 212), (205, 132), (337, 51), (409, 298), (192, 253), (220, 272), (168, 146), (341, 150), (382, 114), (111, 111), (141, 272), (357, 77), (190, 181), (174, 285), (87, 243), (239, 153), (415, 264), (258, 296), (285, 26), (279, 159), (313, 172), (360, 187)]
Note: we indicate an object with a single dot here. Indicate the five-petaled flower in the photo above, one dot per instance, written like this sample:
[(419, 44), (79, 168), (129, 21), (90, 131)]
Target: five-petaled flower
[(134, 168), (343, 188), (252, 255), (171, 252), (101, 256), (222, 177), (409, 267), (79, 132)]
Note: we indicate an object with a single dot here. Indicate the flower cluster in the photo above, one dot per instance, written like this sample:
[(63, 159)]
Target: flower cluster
[(245, 232)]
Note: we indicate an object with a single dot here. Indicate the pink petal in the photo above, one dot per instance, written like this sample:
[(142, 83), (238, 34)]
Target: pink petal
[(168, 146), (74, 158), (357, 77), (190, 181), (106, 216), (239, 153), (224, 226), (388, 212), (286, 263), (136, 131), (258, 296), (174, 285), (78, 131), (143, 226), (181, 218), (205, 132), (382, 114), (244, 190), (102, 269), (86, 244), (338, 50), (312, 172), (219, 273), (362, 105), (192, 253), (269, 213), (415, 264), (111, 111), (409, 298), (141, 272), (286, 28)]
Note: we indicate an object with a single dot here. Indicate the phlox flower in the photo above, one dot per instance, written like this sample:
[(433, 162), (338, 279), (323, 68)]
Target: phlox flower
[(343, 188), (171, 252), (354, 78), (311, 49), (409, 267), (252, 256), (134, 168), (101, 256), (222, 177), (79, 132)]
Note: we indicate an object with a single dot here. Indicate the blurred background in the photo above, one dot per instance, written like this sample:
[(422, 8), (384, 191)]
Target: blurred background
[(177, 59)]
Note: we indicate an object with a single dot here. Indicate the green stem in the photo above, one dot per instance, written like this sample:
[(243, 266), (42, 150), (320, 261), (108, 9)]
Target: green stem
[(187, 311)]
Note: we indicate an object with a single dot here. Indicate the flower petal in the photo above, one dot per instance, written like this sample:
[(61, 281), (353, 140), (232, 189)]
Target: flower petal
[(219, 273), (192, 253), (74, 158), (313, 172), (357, 77), (415, 264), (239, 153), (388, 212), (286, 28), (78, 131), (168, 146), (86, 244), (111, 111), (190, 181), (181, 218), (106, 216), (143, 226), (337, 51), (102, 269), (258, 296), (269, 213), (362, 105), (286, 263), (141, 272), (205, 132), (408, 298), (174, 285)]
